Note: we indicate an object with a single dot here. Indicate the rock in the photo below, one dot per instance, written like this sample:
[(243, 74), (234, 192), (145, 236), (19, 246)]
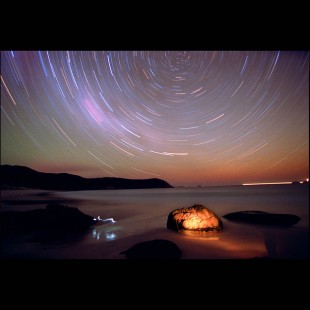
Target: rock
[(288, 243), (154, 249), (195, 218), (68, 218), (54, 217), (263, 218)]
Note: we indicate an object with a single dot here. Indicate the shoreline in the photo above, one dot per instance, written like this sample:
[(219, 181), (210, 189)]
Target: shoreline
[(133, 227)]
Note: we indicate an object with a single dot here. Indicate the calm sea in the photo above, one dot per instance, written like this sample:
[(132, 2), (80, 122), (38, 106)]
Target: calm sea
[(141, 215)]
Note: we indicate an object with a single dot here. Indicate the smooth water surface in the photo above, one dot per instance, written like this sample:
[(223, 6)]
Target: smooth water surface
[(141, 215)]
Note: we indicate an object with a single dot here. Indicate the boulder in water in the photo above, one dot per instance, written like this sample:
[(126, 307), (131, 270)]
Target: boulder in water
[(263, 218), (195, 218)]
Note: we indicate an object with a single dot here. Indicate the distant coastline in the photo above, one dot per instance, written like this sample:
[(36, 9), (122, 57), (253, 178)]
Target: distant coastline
[(21, 177), (16, 177)]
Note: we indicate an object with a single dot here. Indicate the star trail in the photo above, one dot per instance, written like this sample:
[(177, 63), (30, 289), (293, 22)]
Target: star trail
[(188, 117)]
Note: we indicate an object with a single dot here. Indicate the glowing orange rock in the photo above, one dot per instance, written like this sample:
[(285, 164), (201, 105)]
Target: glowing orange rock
[(195, 218)]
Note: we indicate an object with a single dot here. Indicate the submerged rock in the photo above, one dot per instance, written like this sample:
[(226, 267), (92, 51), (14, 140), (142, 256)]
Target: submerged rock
[(154, 249), (195, 218), (263, 218)]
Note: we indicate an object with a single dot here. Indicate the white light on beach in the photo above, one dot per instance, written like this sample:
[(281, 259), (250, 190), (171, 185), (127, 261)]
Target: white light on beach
[(109, 220)]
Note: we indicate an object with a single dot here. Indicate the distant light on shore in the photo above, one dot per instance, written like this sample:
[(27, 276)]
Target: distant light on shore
[(267, 183)]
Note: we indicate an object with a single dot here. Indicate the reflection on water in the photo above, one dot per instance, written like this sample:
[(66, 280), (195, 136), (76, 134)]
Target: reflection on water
[(107, 235), (110, 236), (209, 235), (105, 232), (97, 234)]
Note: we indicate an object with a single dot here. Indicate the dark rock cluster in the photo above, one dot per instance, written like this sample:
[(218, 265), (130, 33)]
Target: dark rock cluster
[(55, 220)]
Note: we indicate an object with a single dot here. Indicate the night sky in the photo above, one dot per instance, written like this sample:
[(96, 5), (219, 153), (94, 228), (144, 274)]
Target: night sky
[(190, 118)]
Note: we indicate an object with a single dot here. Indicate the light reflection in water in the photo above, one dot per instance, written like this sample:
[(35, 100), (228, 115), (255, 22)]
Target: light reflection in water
[(94, 233), (110, 236), (100, 234), (209, 235)]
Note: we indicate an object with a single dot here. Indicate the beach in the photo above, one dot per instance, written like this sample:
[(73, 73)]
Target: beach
[(141, 215)]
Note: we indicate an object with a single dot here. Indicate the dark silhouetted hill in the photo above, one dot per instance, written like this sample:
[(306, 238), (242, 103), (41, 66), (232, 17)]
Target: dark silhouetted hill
[(24, 177)]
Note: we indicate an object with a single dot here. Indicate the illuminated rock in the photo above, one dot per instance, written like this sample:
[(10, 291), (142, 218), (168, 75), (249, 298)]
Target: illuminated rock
[(153, 249), (195, 218)]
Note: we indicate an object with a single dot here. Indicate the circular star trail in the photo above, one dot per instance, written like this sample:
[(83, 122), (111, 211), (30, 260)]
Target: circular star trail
[(188, 117)]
